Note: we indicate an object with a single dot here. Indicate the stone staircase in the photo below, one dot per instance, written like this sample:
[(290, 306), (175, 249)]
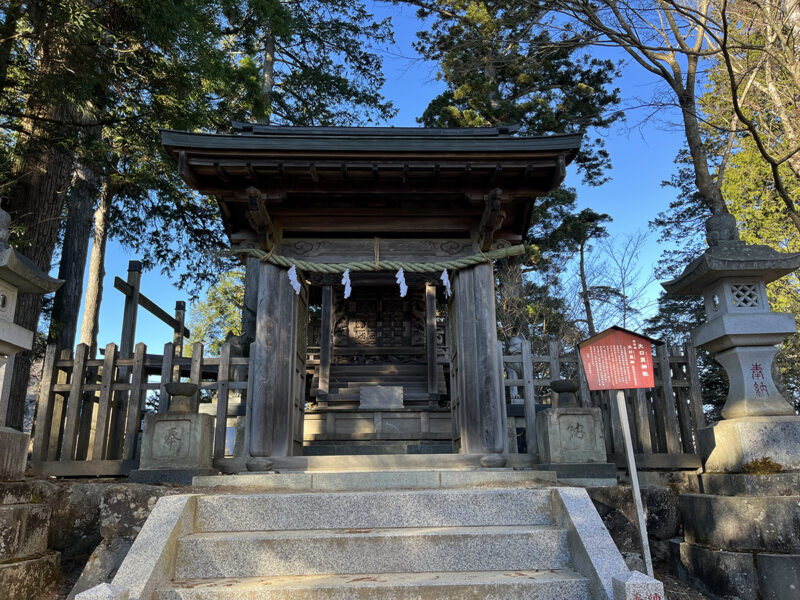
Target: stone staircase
[(399, 544), (496, 535)]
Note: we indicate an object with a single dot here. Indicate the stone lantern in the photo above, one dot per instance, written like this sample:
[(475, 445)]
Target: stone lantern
[(742, 332), (18, 275)]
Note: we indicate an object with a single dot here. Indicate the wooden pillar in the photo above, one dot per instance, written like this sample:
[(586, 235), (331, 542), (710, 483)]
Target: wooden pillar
[(127, 339), (250, 304), (274, 372), (325, 344), (482, 428), (131, 310), (430, 343), (177, 336)]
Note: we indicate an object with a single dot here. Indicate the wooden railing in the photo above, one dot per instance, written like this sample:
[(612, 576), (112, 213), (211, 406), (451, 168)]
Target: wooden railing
[(89, 411), (663, 419)]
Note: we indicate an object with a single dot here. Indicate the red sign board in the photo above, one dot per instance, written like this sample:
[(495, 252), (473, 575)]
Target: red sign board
[(618, 359)]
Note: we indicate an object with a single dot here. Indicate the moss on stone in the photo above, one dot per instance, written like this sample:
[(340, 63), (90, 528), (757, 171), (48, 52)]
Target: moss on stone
[(762, 466)]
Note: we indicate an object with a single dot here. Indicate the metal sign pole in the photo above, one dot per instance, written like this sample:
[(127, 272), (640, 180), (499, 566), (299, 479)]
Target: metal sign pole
[(622, 407)]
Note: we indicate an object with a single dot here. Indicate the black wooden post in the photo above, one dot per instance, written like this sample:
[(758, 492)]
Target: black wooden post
[(430, 343), (325, 344), (177, 336)]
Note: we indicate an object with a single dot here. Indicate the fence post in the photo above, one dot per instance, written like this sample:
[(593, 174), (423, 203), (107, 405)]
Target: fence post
[(684, 410), (666, 402), (196, 369), (583, 385), (59, 409), (101, 432), (530, 399), (223, 377), (44, 408), (135, 402), (166, 377), (554, 349), (642, 407), (695, 395), (69, 444)]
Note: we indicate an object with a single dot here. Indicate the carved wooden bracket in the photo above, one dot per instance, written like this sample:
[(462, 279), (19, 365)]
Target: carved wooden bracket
[(492, 219), (258, 216)]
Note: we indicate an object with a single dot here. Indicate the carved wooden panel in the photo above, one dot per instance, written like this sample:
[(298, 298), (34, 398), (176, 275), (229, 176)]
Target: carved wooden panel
[(377, 317)]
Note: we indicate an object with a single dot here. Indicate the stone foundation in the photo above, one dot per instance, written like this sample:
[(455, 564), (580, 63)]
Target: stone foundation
[(728, 445), (741, 536)]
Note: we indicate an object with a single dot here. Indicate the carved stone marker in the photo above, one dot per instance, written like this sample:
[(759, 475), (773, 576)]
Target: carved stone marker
[(177, 445), (571, 433), (381, 396)]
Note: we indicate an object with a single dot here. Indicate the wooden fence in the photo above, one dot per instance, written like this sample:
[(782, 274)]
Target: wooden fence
[(89, 411), (663, 419)]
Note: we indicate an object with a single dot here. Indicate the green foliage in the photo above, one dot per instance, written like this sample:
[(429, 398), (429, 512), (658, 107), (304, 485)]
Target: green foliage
[(512, 63), (219, 314), (122, 70), (506, 62)]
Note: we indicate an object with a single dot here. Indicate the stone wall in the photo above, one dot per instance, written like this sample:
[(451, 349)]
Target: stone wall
[(615, 505), (93, 523)]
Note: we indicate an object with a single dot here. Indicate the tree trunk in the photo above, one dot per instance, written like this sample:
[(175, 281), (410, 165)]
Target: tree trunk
[(8, 32), (94, 285), (268, 76), (587, 305), (67, 301), (697, 150)]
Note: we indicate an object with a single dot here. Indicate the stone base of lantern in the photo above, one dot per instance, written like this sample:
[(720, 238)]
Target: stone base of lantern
[(13, 454), (728, 445)]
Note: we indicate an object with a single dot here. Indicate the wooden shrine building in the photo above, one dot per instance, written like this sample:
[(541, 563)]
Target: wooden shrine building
[(372, 200)]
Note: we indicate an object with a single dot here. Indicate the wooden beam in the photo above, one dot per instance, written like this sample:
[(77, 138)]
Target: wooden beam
[(150, 306), (85, 468), (660, 461)]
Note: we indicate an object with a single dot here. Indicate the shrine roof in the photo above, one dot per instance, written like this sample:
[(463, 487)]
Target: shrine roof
[(252, 136), (359, 181)]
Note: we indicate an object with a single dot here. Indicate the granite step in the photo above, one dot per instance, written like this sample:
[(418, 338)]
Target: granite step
[(471, 585), (356, 550), (373, 509), (381, 481)]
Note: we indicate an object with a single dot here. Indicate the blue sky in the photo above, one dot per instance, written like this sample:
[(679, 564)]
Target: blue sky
[(642, 158)]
